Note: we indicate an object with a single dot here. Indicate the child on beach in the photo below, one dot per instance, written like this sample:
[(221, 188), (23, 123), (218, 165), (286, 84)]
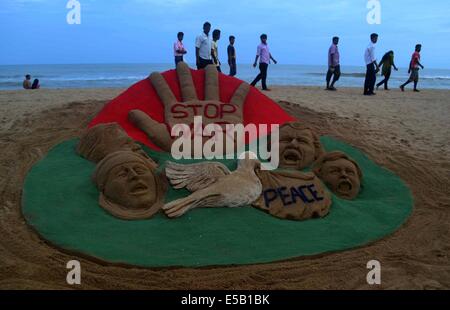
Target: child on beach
[(388, 62), (414, 69)]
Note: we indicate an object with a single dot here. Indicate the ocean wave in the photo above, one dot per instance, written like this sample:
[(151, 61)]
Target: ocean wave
[(443, 78), (353, 74), (74, 79)]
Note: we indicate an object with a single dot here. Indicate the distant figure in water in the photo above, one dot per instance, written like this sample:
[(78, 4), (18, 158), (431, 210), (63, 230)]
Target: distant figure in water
[(27, 82), (334, 68), (35, 84), (388, 62), (414, 69)]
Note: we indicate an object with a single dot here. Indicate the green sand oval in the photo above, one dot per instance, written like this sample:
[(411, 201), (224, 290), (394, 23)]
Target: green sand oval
[(60, 202)]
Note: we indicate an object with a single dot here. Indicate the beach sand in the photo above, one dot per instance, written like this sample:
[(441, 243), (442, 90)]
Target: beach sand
[(408, 133)]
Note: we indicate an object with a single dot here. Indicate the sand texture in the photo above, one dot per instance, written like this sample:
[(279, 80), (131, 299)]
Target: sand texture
[(408, 133)]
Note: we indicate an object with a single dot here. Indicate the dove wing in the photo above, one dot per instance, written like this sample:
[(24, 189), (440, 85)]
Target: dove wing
[(195, 176)]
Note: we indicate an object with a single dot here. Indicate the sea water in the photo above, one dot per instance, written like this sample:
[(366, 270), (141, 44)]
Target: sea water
[(124, 75)]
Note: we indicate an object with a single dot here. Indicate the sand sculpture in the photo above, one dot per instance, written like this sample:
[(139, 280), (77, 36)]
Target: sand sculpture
[(129, 186), (293, 195), (212, 110), (213, 185), (288, 195), (131, 189), (340, 173), (104, 139), (299, 146)]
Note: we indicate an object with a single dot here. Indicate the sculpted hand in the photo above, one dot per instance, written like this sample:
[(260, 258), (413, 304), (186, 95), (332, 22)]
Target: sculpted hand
[(212, 110)]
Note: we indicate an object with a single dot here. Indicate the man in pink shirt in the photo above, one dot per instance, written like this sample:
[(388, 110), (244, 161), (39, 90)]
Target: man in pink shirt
[(264, 56), (414, 69), (178, 48), (334, 68)]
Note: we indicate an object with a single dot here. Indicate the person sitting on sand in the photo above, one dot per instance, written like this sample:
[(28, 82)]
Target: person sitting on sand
[(264, 56), (388, 62), (35, 84), (414, 69), (178, 48), (334, 69), (27, 82)]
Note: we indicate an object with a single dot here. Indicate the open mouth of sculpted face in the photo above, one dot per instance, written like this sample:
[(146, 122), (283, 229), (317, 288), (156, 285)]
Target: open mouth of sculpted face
[(292, 157), (138, 189), (344, 187)]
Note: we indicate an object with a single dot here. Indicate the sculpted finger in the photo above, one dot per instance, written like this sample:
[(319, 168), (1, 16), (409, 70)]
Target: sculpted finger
[(163, 90), (240, 94), (186, 83), (155, 131), (211, 83)]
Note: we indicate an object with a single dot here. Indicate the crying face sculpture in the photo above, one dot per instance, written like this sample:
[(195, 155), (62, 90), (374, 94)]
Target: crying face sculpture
[(104, 139), (340, 173), (129, 186), (299, 146)]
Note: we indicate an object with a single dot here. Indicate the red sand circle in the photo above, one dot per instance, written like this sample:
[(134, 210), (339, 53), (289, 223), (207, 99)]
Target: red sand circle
[(258, 108)]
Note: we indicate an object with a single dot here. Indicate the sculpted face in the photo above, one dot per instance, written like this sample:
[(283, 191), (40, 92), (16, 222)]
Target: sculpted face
[(117, 140), (342, 177), (105, 139), (298, 147), (131, 185)]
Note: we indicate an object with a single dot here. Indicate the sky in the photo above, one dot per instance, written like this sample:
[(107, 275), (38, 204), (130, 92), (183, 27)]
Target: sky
[(143, 31)]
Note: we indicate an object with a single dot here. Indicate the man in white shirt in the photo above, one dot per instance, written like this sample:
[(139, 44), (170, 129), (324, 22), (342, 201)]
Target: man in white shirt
[(203, 47), (372, 66)]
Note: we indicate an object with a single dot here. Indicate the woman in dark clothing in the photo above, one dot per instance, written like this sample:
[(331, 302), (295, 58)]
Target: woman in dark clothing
[(35, 84), (388, 62)]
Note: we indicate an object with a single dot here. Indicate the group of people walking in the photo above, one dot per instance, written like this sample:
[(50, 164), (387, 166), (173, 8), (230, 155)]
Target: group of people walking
[(207, 53), (387, 62)]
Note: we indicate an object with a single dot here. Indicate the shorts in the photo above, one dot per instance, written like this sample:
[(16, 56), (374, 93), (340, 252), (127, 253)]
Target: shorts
[(414, 75)]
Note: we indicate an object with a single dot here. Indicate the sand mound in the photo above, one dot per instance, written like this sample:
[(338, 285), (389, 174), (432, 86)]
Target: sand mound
[(416, 256)]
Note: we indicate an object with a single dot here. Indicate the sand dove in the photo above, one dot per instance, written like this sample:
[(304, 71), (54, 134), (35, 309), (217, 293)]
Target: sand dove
[(213, 185)]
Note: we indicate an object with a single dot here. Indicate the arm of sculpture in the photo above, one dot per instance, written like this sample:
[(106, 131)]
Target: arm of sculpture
[(155, 131)]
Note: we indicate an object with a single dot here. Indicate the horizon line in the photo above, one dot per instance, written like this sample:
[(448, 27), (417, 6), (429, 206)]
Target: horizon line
[(171, 64)]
